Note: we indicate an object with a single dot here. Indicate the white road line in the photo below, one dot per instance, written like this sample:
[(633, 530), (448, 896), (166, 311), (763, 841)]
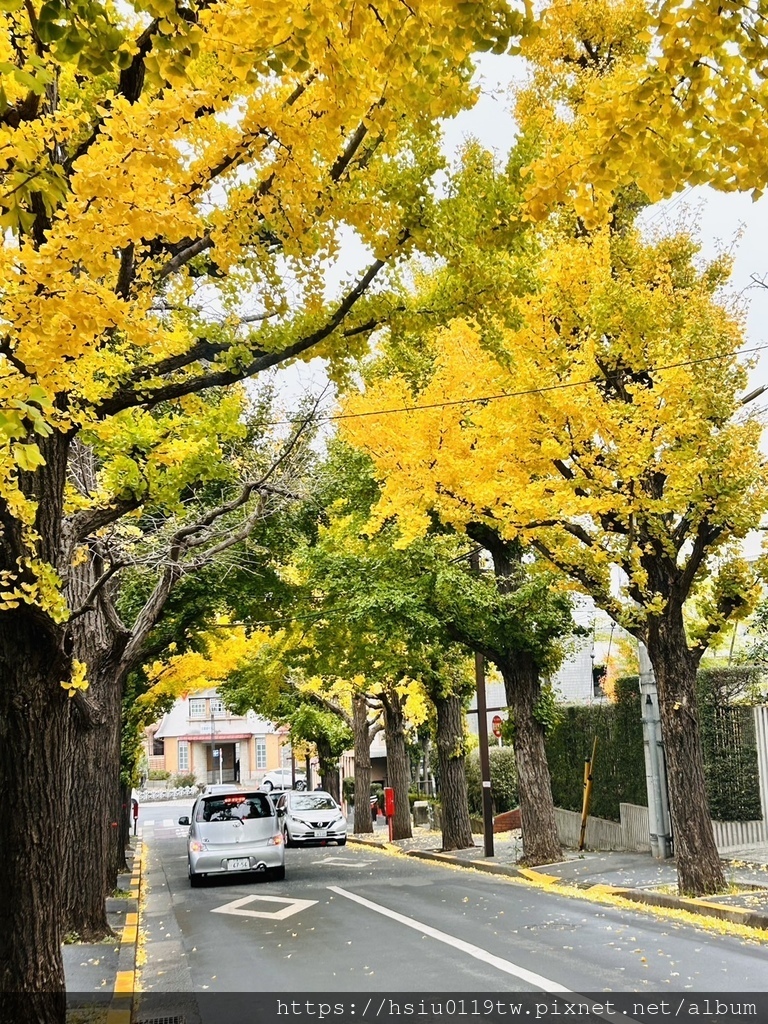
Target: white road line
[(538, 980), (167, 822)]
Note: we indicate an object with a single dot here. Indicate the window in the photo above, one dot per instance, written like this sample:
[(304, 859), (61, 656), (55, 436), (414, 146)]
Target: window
[(183, 756), (217, 706), (197, 707), (261, 753)]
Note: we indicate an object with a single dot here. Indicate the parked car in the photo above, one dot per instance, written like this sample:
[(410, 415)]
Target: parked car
[(311, 818), (282, 778), (234, 833)]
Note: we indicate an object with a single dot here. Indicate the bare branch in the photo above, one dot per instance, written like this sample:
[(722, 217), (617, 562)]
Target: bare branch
[(127, 398)]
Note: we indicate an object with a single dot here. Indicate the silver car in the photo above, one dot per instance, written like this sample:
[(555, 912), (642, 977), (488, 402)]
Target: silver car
[(232, 833), (311, 818)]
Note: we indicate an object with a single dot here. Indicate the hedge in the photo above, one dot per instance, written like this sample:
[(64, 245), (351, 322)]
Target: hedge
[(728, 743), (619, 770)]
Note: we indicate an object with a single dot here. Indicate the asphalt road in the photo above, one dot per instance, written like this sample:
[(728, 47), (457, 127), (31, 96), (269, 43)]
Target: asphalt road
[(369, 921)]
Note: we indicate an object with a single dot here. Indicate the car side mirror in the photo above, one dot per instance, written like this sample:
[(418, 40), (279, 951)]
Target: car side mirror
[(184, 820), (280, 811)]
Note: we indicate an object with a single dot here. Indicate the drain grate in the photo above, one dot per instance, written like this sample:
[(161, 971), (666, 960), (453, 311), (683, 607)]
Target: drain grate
[(162, 1020)]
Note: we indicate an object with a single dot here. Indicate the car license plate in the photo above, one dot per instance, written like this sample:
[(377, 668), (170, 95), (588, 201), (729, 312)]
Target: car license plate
[(239, 864), (320, 833)]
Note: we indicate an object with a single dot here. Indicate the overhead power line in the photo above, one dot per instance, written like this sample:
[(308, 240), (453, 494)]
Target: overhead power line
[(599, 379)]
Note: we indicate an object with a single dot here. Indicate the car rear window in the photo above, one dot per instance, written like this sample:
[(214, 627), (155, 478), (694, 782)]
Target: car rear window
[(234, 806)]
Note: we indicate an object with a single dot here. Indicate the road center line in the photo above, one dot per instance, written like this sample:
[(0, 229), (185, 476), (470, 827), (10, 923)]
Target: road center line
[(537, 980)]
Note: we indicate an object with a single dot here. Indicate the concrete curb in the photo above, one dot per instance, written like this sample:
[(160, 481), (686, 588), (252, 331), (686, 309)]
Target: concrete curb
[(700, 907), (122, 1004)]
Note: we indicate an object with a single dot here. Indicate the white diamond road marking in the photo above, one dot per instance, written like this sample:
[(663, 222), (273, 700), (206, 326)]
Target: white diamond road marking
[(291, 907)]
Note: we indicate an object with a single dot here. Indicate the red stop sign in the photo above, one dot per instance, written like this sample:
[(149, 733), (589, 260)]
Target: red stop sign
[(496, 725)]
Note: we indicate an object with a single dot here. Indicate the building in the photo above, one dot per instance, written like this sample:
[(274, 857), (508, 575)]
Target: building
[(199, 736)]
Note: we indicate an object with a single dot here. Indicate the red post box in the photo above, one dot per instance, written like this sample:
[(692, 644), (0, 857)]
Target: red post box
[(389, 801), (389, 810)]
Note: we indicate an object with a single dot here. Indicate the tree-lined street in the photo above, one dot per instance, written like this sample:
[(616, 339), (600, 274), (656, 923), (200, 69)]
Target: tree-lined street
[(376, 922), (530, 402)]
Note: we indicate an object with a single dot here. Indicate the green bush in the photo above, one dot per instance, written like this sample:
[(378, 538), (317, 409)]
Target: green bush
[(158, 775), (187, 779), (348, 789), (727, 738), (729, 743), (618, 774), (503, 780)]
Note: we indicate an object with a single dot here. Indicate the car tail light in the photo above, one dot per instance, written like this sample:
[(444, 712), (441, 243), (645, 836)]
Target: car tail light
[(197, 847), (275, 840)]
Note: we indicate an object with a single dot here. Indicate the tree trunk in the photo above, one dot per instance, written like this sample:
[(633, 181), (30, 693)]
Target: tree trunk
[(699, 869), (329, 768), (541, 844), (94, 820), (361, 732), (457, 831), (398, 762), (35, 724)]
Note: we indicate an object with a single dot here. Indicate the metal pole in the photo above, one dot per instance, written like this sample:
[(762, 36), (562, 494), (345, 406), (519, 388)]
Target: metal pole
[(485, 764), (655, 768), (482, 731), (213, 749)]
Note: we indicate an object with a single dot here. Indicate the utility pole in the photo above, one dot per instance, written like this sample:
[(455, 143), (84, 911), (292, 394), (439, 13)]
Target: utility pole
[(655, 765), (482, 732)]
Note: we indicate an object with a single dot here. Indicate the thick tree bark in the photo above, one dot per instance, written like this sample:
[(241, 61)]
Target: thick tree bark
[(457, 831), (361, 732), (541, 844), (398, 763), (329, 769), (35, 726), (699, 869), (94, 767)]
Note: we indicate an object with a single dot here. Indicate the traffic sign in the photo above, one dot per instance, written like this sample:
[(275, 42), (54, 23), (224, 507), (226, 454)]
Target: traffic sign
[(496, 725)]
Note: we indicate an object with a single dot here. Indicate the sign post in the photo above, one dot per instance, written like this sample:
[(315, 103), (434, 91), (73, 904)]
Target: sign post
[(496, 723)]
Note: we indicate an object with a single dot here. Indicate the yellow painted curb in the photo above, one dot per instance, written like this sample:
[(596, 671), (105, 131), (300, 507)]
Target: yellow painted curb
[(538, 876), (124, 982), (121, 1007), (118, 1016)]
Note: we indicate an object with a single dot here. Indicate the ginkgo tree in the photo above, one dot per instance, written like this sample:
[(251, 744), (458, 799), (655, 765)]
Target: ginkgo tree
[(173, 179), (670, 94), (602, 424)]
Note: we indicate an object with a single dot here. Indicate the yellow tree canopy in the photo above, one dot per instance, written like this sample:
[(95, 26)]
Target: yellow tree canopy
[(660, 94), (605, 428), (173, 181)]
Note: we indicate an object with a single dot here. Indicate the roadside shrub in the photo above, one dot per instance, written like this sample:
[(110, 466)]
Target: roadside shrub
[(348, 789), (159, 775), (187, 779), (503, 780)]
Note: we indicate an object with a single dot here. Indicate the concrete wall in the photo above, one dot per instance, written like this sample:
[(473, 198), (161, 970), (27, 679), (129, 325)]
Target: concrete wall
[(633, 834)]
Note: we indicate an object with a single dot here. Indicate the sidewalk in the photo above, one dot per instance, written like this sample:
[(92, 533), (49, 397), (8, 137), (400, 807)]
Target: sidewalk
[(101, 976), (636, 877)]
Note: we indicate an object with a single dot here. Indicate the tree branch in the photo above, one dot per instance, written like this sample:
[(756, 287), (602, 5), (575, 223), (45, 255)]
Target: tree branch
[(128, 398)]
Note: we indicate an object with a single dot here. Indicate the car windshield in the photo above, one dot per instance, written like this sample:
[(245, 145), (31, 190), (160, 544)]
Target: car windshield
[(234, 807), (313, 802)]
